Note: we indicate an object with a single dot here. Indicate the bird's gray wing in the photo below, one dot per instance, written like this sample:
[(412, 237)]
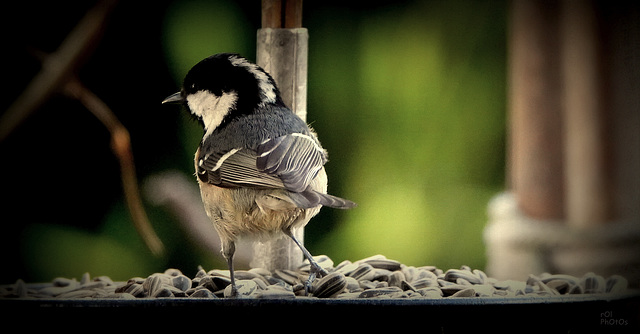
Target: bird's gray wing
[(235, 168), (288, 162), (295, 158)]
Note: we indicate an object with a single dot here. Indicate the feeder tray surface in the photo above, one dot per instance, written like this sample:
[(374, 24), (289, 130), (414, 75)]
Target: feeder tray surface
[(376, 286)]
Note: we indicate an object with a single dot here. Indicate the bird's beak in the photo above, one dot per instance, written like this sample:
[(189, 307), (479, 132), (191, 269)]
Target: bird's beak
[(174, 98)]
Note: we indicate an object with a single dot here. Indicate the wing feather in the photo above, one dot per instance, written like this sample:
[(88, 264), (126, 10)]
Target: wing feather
[(296, 158), (235, 168), (288, 162)]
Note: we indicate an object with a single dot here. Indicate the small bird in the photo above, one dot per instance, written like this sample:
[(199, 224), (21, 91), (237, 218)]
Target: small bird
[(260, 167)]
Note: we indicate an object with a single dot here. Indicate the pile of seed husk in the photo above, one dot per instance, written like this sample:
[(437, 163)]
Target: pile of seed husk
[(372, 277)]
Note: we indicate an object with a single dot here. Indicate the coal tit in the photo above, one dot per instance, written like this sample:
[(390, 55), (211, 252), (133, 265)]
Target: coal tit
[(259, 166)]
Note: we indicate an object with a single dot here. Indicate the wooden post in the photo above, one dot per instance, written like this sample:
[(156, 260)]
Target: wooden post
[(282, 51), (587, 182), (535, 110)]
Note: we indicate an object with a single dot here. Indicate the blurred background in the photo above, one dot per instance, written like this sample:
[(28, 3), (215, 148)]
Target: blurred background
[(408, 97)]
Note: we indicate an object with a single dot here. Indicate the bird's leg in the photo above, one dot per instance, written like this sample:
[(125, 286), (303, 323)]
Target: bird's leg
[(315, 269), (228, 248)]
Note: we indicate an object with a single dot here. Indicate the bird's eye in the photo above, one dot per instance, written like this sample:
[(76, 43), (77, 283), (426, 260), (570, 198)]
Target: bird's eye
[(193, 86)]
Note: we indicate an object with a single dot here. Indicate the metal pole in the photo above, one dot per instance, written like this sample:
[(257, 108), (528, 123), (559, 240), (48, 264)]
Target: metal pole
[(282, 48)]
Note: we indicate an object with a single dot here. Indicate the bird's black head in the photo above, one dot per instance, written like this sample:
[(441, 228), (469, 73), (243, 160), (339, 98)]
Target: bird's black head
[(224, 86)]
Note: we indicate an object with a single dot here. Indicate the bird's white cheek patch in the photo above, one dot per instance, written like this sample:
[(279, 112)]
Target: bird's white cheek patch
[(211, 108)]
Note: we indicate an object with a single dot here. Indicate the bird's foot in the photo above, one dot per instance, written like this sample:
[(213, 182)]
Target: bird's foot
[(231, 291), (314, 271)]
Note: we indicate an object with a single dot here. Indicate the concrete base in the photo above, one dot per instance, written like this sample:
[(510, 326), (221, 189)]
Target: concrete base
[(518, 245)]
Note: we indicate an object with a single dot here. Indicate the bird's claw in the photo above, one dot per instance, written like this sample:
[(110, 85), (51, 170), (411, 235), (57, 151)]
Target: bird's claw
[(314, 271), (231, 292)]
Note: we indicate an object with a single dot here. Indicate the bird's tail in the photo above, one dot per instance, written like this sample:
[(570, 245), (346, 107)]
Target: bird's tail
[(311, 198)]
